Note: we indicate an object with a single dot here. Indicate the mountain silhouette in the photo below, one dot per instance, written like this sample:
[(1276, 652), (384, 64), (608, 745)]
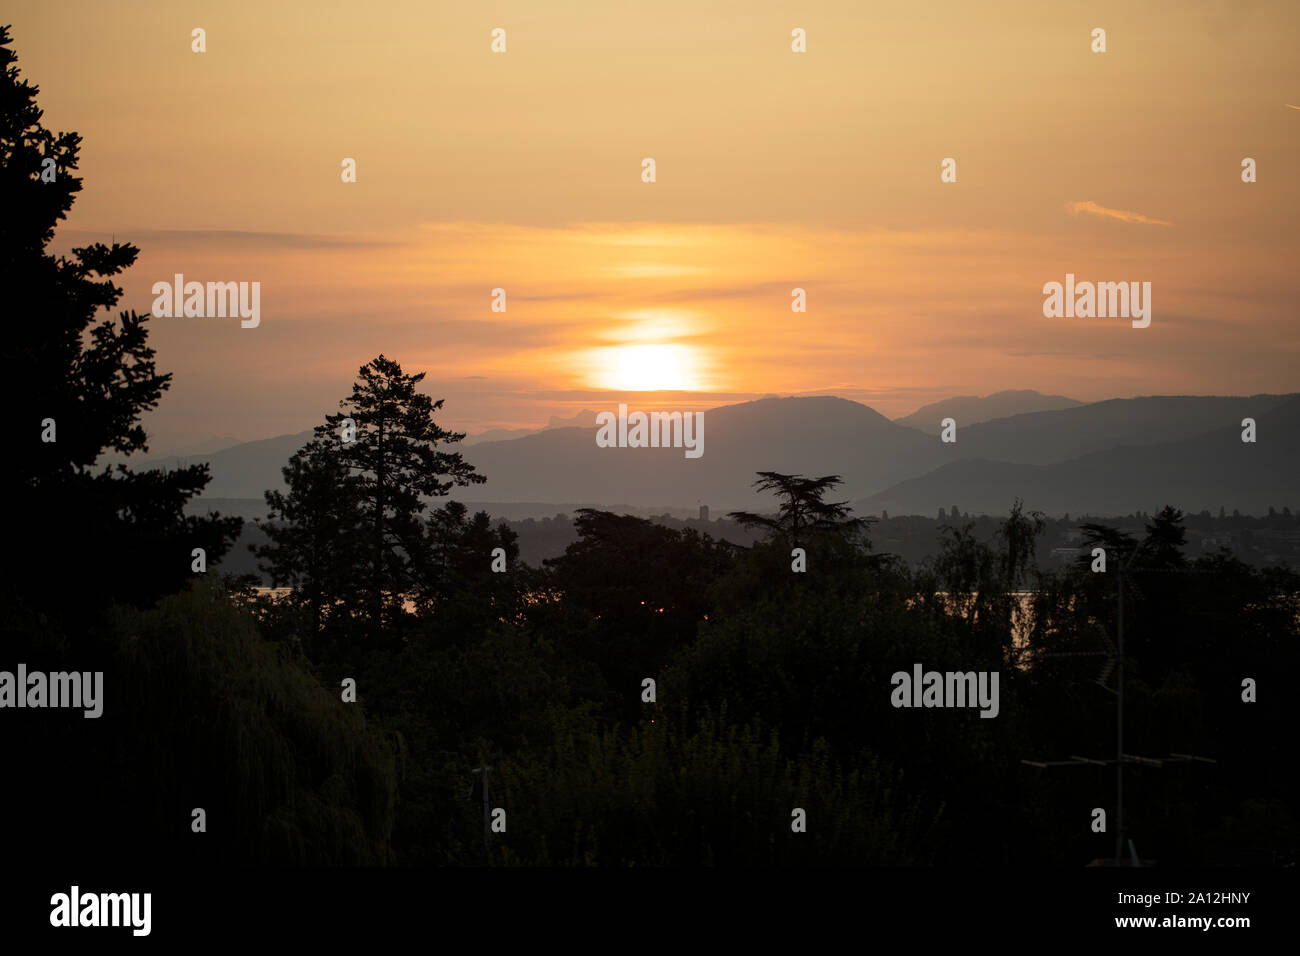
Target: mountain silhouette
[(879, 460), (822, 435), (1042, 438), (1207, 471), (971, 409)]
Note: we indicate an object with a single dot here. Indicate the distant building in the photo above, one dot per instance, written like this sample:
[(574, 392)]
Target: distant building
[(704, 512)]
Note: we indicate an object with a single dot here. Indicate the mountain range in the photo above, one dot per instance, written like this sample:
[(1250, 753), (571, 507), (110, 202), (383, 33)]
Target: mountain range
[(1207, 471), (1108, 457), (972, 409), (584, 419)]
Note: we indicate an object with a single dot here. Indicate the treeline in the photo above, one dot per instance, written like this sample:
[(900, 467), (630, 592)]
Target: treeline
[(1259, 541), (771, 671)]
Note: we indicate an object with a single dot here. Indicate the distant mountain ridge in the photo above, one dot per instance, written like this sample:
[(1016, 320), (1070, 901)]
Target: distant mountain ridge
[(1207, 471), (178, 445), (972, 409), (881, 461), (244, 471), (584, 419), (818, 434)]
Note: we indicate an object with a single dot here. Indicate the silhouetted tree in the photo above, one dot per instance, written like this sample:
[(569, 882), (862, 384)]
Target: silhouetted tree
[(1117, 544), (316, 530), (1165, 538), (366, 475), (194, 701), (802, 509), (459, 587), (1018, 536), (639, 589), (84, 385)]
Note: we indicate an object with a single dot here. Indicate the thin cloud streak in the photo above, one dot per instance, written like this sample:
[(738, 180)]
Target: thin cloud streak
[(1123, 215)]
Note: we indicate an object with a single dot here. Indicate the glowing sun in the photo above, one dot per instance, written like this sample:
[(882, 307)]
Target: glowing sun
[(646, 368)]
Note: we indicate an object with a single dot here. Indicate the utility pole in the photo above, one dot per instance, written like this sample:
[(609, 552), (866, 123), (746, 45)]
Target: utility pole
[(1120, 758)]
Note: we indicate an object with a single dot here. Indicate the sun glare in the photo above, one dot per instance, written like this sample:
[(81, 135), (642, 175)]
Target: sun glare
[(646, 368)]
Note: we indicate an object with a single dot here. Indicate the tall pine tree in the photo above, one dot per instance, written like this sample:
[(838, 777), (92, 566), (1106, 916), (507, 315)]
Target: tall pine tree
[(316, 531), (357, 493), (75, 385)]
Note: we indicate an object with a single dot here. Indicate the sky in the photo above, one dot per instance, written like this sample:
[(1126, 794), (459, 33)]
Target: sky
[(775, 170)]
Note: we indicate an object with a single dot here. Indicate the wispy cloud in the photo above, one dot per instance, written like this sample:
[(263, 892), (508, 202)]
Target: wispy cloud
[(1123, 215), (191, 238)]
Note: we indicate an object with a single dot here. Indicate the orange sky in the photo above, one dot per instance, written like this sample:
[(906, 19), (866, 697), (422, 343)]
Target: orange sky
[(775, 170)]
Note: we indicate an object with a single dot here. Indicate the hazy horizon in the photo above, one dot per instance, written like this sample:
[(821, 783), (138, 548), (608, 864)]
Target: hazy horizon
[(819, 171), (598, 402)]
